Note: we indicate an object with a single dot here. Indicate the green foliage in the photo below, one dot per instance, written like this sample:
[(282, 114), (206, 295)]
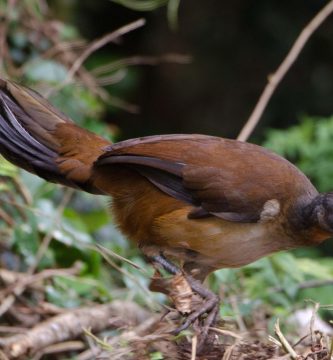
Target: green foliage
[(173, 6), (156, 356), (74, 233), (142, 5), (309, 145), (150, 5), (82, 106), (75, 291), (45, 70), (7, 169)]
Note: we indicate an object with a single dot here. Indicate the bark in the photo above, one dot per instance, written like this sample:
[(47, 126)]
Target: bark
[(70, 325)]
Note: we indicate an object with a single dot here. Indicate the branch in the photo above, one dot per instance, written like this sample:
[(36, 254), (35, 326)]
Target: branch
[(275, 79), (70, 325), (95, 45), (24, 280), (306, 285)]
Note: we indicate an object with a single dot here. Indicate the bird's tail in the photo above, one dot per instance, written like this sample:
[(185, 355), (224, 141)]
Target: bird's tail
[(40, 139)]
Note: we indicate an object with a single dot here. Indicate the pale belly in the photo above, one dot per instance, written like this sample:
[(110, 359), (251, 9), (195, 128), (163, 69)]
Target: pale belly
[(218, 243)]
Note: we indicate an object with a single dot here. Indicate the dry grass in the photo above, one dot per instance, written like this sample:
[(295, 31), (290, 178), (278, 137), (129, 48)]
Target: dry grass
[(124, 330)]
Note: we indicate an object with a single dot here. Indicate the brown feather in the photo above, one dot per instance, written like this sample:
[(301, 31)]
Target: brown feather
[(224, 177)]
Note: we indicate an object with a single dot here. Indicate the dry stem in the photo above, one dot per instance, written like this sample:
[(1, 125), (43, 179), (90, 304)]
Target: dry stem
[(48, 237), (284, 342), (275, 79), (194, 347)]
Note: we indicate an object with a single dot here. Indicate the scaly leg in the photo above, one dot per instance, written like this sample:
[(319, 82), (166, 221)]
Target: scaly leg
[(211, 301)]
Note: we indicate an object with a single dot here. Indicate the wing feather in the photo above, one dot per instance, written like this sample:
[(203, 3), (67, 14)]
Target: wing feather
[(228, 179)]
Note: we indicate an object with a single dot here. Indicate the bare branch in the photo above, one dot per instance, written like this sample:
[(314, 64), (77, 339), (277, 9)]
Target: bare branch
[(275, 79), (142, 60), (97, 44)]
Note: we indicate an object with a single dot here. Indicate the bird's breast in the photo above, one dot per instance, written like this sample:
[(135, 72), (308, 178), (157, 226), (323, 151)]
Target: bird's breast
[(218, 243)]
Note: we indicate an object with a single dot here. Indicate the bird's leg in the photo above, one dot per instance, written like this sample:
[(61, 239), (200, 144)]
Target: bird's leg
[(166, 264), (211, 300), (210, 306)]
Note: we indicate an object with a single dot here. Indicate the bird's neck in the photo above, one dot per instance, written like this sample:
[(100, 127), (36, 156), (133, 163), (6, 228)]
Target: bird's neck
[(311, 220), (309, 212)]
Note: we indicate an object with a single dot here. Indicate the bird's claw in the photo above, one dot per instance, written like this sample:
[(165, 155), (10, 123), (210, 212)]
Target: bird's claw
[(188, 285), (209, 307)]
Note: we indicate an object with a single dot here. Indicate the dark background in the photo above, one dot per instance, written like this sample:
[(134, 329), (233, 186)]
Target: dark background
[(235, 46)]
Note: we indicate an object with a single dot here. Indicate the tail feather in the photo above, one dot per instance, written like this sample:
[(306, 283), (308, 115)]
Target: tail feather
[(28, 138), (18, 145)]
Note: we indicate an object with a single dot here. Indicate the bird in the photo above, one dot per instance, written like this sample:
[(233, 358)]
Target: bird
[(191, 203)]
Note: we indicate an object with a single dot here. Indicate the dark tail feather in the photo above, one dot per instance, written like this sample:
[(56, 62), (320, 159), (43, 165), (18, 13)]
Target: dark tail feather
[(17, 145)]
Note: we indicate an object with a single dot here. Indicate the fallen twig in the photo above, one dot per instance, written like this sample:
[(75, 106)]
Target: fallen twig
[(25, 280), (12, 329), (312, 322), (226, 332), (127, 342), (194, 347), (330, 355), (59, 348), (284, 342), (70, 325), (3, 356)]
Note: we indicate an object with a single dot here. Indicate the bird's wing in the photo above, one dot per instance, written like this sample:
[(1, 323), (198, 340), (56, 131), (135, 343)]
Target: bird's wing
[(224, 178)]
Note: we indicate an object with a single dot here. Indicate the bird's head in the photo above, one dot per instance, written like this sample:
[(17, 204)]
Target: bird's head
[(322, 211)]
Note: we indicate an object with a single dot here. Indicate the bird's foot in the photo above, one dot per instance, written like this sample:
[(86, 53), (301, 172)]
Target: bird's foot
[(208, 304)]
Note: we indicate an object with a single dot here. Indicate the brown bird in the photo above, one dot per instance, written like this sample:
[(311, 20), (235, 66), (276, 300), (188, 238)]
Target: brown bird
[(202, 201)]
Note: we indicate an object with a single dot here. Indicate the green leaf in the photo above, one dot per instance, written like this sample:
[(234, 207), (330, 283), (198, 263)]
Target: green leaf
[(26, 239), (74, 291), (141, 5), (68, 32), (156, 356), (309, 146), (7, 169), (172, 13), (79, 104), (35, 7), (314, 268), (45, 70)]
